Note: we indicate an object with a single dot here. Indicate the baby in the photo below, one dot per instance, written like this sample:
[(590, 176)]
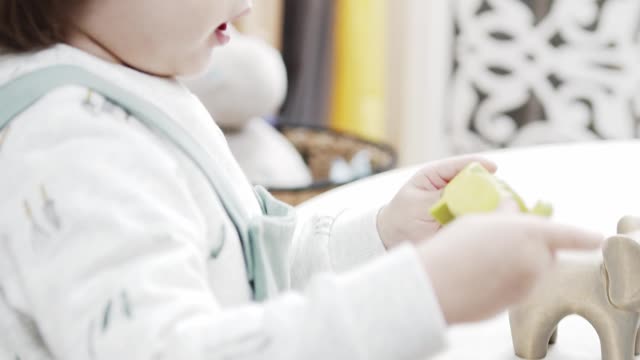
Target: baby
[(128, 231)]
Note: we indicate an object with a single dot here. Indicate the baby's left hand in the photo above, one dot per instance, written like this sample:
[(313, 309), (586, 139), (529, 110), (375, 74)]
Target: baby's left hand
[(406, 217)]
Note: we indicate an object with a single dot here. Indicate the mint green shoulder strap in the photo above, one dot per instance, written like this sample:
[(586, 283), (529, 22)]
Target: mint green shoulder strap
[(19, 94)]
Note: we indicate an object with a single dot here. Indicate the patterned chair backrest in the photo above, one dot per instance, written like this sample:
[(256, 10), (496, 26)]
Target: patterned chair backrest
[(542, 71)]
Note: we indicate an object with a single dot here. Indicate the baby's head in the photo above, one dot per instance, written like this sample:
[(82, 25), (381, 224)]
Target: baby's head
[(167, 38)]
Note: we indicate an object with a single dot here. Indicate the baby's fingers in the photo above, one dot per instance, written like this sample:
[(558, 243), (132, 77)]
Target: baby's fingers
[(566, 237), (437, 175), (447, 169)]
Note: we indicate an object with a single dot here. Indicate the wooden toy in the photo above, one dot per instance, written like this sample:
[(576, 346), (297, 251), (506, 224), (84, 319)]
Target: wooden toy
[(606, 293)]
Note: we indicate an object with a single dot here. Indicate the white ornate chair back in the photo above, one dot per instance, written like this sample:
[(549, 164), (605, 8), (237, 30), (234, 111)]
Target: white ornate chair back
[(543, 71)]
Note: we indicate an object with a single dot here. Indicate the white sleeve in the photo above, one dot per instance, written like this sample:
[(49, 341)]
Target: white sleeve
[(114, 268), (334, 242)]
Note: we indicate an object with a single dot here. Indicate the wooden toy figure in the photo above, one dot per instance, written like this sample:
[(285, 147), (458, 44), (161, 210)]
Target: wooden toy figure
[(606, 293)]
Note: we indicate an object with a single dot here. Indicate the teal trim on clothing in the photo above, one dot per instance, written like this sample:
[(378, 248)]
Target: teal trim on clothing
[(265, 256)]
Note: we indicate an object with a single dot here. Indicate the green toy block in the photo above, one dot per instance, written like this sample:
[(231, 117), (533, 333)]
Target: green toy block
[(476, 190)]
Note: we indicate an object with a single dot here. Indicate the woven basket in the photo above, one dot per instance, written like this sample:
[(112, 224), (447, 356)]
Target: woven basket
[(319, 147)]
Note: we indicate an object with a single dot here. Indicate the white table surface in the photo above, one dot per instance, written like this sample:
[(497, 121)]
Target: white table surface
[(591, 185)]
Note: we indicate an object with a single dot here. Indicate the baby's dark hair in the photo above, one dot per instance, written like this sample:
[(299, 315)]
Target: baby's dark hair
[(27, 25)]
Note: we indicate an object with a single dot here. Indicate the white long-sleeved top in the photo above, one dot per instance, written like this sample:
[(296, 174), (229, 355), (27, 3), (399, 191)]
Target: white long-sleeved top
[(113, 245)]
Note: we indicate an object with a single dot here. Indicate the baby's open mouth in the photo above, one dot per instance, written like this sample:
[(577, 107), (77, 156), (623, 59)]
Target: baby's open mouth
[(222, 34)]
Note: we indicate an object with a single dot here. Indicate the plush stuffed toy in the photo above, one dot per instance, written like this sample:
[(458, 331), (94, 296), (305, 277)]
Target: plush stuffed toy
[(246, 83)]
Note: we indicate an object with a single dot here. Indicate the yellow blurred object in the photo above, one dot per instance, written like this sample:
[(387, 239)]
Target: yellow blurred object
[(358, 99)]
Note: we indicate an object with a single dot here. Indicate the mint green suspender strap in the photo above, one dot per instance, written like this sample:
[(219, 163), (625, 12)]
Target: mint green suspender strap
[(19, 94)]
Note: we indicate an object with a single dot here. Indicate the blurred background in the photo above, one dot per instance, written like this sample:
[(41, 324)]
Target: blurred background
[(416, 80)]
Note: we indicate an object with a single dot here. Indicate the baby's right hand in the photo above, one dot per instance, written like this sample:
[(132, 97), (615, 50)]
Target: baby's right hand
[(481, 264)]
